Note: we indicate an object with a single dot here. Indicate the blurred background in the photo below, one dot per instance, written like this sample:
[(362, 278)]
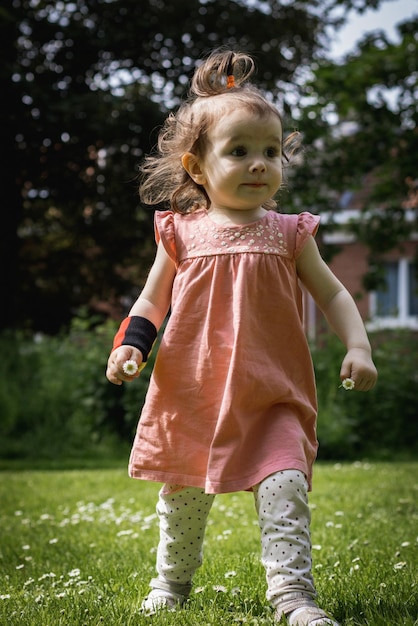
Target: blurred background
[(85, 87)]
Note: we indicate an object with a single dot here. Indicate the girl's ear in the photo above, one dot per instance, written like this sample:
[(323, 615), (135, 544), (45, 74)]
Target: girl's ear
[(191, 164)]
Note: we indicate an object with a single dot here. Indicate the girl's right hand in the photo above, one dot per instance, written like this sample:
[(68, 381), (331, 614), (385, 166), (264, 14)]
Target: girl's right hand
[(117, 358)]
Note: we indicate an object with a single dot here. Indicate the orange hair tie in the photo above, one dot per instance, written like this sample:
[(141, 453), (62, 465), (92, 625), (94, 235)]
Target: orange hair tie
[(230, 82)]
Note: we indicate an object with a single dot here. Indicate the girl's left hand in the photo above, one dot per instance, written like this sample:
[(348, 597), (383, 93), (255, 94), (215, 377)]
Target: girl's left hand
[(358, 366)]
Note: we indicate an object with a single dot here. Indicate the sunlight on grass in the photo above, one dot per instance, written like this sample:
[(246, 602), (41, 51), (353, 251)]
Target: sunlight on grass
[(78, 547)]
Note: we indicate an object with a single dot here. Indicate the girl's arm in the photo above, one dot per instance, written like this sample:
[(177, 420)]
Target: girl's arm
[(153, 304), (341, 313)]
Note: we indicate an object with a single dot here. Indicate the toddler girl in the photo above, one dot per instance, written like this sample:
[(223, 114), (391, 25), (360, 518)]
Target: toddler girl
[(231, 403)]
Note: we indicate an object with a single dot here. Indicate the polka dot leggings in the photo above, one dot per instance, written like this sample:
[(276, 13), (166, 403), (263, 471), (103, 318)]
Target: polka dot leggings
[(283, 513), (183, 514), (281, 501)]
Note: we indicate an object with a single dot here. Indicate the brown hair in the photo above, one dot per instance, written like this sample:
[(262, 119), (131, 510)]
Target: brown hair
[(163, 178)]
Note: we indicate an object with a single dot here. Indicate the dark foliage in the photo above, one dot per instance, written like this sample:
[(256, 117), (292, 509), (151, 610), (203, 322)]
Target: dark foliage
[(84, 86)]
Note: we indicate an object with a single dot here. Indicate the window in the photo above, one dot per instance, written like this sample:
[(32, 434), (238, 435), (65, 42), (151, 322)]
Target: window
[(397, 304), (413, 290)]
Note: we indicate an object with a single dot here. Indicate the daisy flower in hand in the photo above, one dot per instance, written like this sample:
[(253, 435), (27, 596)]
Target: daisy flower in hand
[(348, 384), (130, 367)]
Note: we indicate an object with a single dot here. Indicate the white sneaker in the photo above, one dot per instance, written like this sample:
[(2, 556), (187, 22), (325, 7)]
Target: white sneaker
[(310, 616), (159, 599)]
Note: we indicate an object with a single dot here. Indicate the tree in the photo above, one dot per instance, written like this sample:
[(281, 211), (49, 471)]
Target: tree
[(359, 121), (84, 86)]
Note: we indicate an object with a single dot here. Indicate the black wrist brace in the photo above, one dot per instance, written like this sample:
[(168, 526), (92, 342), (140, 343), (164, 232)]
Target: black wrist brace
[(138, 332)]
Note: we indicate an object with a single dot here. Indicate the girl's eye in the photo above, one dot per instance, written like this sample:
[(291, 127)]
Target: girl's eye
[(239, 151), (272, 152)]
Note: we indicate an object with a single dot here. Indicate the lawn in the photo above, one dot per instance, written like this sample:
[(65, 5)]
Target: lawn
[(78, 548)]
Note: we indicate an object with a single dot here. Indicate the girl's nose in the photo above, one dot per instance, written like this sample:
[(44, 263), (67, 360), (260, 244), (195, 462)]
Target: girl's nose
[(258, 166)]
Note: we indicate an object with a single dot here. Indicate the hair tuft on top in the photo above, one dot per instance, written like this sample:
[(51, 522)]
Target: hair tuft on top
[(211, 76)]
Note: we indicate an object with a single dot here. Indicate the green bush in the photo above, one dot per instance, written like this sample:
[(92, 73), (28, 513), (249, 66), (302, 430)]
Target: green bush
[(380, 423), (55, 401)]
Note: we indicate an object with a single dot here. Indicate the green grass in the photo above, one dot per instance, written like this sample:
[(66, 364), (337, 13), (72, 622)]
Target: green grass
[(78, 548)]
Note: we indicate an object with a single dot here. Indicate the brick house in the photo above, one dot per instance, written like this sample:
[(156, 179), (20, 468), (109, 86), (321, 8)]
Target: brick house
[(393, 307)]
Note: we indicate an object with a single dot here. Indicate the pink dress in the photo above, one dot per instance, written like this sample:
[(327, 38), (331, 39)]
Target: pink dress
[(232, 396)]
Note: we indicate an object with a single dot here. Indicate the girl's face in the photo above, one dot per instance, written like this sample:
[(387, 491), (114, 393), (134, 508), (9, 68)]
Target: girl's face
[(242, 164)]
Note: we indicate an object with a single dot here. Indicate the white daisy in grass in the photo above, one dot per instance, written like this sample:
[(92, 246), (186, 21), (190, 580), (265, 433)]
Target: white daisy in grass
[(130, 367), (74, 573), (399, 565)]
